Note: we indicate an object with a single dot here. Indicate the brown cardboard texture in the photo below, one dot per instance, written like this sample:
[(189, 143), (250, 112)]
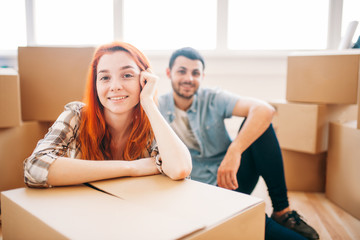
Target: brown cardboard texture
[(304, 127), (51, 77), (358, 118), (304, 172), (153, 207), (201, 201), (343, 164), (331, 79), (81, 212), (16, 144), (10, 110)]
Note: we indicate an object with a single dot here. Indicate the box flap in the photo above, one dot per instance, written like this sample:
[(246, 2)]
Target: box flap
[(206, 204), (81, 212)]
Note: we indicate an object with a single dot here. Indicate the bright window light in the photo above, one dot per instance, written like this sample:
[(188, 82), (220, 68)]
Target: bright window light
[(69, 22), (351, 13), (13, 24), (277, 24), (164, 24)]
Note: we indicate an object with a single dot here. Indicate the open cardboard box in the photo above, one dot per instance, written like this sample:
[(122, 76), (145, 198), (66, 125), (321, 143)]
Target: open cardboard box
[(152, 207)]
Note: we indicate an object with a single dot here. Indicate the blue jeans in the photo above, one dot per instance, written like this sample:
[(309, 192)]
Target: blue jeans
[(264, 158), (274, 231)]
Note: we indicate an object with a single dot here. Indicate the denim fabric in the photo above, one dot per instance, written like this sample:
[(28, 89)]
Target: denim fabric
[(274, 231), (263, 158), (206, 118)]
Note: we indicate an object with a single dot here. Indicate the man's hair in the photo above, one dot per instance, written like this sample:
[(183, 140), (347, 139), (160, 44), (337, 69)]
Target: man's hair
[(187, 52)]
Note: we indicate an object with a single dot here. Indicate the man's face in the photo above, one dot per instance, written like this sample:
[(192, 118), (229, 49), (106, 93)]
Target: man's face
[(185, 75)]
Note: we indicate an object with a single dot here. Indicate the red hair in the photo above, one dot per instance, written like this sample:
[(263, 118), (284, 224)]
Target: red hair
[(94, 135)]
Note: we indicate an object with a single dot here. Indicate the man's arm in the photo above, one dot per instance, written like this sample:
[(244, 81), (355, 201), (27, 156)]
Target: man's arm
[(259, 115)]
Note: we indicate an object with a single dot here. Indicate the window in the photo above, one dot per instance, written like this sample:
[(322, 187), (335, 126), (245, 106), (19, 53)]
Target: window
[(170, 24), (13, 24), (68, 22), (351, 13), (277, 24), (164, 24)]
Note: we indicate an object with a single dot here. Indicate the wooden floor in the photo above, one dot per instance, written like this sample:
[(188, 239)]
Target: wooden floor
[(328, 219)]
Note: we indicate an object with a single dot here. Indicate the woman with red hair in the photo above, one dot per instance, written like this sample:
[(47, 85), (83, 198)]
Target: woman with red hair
[(116, 131)]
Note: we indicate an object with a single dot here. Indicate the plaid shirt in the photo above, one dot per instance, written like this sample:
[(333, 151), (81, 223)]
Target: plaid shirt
[(61, 141)]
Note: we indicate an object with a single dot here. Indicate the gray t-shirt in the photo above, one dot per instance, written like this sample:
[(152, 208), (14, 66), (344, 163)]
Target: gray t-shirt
[(182, 128)]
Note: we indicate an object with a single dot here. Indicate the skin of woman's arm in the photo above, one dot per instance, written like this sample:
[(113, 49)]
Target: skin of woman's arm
[(68, 171), (175, 156)]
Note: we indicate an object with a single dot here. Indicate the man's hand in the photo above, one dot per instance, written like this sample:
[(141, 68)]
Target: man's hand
[(226, 176)]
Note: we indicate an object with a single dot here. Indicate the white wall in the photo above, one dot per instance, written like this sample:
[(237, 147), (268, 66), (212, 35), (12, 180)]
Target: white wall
[(262, 77)]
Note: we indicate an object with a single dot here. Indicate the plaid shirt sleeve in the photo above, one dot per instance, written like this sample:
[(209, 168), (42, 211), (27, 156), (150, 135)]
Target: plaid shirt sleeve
[(58, 142), (154, 152)]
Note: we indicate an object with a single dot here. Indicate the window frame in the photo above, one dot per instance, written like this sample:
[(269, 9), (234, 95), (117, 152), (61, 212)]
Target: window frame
[(333, 32)]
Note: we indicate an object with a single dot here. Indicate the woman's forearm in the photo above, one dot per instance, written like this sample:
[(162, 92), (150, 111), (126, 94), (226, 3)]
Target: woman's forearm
[(67, 171), (175, 156)]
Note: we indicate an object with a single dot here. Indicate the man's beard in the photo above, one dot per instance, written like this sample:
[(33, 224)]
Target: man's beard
[(177, 91)]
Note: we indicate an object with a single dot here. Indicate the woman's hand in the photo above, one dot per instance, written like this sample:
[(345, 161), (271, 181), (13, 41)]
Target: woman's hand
[(148, 82), (176, 159)]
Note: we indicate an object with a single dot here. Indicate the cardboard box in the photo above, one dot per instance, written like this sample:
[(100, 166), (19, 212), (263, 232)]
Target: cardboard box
[(164, 195), (343, 165), (323, 77), (304, 127), (304, 172), (358, 119), (10, 110), (51, 77), (152, 207), (16, 144)]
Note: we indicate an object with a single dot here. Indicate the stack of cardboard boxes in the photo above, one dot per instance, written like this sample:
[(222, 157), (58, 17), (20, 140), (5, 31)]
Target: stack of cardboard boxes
[(17, 138), (320, 148), (31, 99)]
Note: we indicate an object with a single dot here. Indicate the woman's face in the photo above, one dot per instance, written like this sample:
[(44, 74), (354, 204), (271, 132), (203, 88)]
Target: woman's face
[(118, 83)]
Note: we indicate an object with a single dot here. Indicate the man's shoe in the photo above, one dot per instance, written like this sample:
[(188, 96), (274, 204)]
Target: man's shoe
[(293, 221)]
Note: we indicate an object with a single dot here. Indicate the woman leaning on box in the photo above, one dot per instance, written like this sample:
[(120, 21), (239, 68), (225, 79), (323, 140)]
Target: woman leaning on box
[(112, 134)]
